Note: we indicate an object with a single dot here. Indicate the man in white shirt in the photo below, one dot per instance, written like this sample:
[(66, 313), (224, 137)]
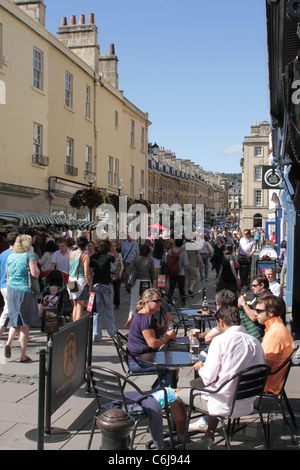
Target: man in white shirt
[(274, 285), (60, 258), (229, 353), (246, 250)]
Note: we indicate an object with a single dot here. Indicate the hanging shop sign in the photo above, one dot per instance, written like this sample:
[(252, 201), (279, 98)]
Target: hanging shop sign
[(271, 177)]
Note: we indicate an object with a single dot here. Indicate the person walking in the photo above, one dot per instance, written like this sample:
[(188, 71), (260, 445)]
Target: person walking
[(206, 254), (79, 271), (246, 251), (145, 278), (4, 319), (21, 301), (100, 265)]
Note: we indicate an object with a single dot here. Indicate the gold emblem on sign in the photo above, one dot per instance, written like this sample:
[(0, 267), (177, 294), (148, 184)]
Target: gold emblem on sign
[(70, 354)]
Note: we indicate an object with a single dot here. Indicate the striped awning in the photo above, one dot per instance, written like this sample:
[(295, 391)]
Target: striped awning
[(82, 225), (28, 219)]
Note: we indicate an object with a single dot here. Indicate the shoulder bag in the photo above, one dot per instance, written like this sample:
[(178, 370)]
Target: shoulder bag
[(73, 285), (33, 282)]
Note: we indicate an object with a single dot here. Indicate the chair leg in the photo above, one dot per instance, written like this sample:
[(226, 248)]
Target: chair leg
[(289, 408), (92, 433), (225, 434), (287, 422)]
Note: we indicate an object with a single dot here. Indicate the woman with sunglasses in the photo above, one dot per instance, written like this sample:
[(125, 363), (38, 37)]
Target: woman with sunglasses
[(146, 335)]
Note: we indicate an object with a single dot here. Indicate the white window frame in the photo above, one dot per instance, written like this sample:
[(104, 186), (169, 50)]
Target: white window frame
[(116, 172), (88, 159), (142, 139), (110, 171), (70, 152), (131, 180), (37, 142), (258, 151), (132, 125), (258, 198), (257, 173), (37, 69), (88, 102), (69, 90)]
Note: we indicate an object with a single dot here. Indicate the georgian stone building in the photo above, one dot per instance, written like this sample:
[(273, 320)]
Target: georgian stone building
[(255, 202), (64, 116)]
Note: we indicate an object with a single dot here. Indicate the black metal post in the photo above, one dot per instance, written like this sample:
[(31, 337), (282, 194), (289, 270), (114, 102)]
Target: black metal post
[(41, 400)]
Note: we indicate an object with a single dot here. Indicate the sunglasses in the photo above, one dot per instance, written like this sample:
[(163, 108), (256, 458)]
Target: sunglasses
[(258, 310), (156, 301), (254, 285)]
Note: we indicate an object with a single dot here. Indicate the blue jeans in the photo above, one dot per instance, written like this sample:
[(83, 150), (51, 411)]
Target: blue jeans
[(104, 297), (205, 259)]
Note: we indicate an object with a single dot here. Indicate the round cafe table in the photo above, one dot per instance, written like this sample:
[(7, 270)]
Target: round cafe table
[(199, 318), (170, 359)]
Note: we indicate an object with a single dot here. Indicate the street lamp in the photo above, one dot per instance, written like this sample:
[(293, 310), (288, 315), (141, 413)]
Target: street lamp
[(141, 192), (120, 186), (91, 178)]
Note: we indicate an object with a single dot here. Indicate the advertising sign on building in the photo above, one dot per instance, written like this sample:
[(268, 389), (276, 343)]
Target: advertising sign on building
[(271, 177)]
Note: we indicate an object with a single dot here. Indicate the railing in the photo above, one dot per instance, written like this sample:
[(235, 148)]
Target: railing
[(40, 160), (71, 170)]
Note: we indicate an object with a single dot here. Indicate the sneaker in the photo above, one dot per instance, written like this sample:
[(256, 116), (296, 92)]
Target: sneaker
[(199, 425)]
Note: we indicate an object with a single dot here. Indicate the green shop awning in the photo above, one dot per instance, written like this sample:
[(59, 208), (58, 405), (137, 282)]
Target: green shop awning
[(30, 220)]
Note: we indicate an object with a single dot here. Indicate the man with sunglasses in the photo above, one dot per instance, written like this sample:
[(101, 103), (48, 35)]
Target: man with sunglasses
[(277, 343), (260, 287)]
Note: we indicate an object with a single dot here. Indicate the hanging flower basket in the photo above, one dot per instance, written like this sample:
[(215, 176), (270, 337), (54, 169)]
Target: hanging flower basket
[(89, 197)]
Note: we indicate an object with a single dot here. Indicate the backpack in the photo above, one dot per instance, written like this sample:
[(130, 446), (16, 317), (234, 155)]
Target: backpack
[(173, 263)]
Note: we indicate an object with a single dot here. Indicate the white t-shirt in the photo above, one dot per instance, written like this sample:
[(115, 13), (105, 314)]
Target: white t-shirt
[(276, 289), (62, 261), (228, 354), (246, 246)]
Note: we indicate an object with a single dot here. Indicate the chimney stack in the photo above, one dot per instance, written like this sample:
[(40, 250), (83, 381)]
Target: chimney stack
[(82, 39), (108, 66)]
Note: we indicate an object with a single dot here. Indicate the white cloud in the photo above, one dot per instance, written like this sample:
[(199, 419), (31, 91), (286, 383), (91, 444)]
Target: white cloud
[(232, 150)]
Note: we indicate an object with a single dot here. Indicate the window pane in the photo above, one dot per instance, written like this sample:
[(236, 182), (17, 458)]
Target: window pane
[(37, 69)]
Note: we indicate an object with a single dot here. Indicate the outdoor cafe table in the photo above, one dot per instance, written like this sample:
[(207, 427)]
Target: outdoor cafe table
[(194, 312), (169, 359)]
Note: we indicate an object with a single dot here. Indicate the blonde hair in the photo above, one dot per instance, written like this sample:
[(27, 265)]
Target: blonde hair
[(22, 243), (147, 295)]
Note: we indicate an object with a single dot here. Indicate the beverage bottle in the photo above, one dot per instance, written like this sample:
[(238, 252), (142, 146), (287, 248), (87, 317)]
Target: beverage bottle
[(204, 303), (170, 326), (194, 346)]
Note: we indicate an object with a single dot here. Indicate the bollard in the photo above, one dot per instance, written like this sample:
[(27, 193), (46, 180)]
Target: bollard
[(115, 426)]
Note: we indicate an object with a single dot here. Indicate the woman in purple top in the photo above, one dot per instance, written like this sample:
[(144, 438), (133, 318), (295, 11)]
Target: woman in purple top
[(146, 335)]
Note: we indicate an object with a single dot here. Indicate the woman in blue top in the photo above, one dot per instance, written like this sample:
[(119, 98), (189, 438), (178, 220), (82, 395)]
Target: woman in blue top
[(21, 302), (146, 335), (80, 271)]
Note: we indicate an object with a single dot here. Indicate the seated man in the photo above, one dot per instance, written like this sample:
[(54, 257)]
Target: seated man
[(260, 286), (277, 343), (274, 285), (229, 353)]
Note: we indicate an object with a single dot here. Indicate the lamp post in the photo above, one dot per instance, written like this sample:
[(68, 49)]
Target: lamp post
[(141, 192), (120, 186), (91, 178)]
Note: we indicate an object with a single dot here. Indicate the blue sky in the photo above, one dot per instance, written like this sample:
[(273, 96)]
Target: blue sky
[(198, 67)]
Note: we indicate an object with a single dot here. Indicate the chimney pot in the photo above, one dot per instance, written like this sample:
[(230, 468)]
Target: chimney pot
[(82, 19), (64, 21), (91, 18), (73, 20), (111, 49)]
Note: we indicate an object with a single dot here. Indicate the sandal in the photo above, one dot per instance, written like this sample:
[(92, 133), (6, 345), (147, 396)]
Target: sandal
[(28, 359), (7, 351)]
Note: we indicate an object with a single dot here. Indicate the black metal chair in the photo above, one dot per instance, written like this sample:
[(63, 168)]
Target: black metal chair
[(281, 397), (110, 385), (120, 342), (250, 382)]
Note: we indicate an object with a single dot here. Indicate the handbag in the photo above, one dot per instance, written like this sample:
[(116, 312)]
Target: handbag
[(131, 277), (73, 285), (115, 274), (33, 282)]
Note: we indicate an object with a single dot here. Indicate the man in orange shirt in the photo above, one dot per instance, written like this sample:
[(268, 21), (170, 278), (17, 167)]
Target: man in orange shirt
[(277, 343)]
